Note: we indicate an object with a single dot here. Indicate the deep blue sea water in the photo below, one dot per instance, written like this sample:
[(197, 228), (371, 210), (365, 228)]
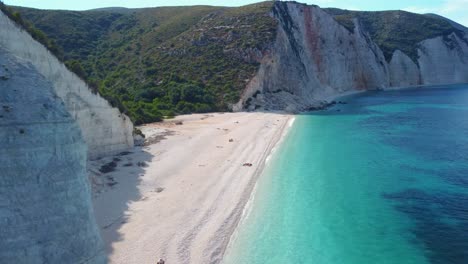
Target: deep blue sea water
[(382, 179)]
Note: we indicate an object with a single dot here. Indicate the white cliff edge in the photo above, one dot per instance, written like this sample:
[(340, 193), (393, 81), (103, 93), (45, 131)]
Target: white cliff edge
[(105, 130), (443, 60), (46, 215), (315, 58), (403, 71)]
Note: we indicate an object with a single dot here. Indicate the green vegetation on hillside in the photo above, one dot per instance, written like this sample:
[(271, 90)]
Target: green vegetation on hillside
[(393, 30), (32, 30), (47, 42), (77, 33), (157, 62), (160, 62)]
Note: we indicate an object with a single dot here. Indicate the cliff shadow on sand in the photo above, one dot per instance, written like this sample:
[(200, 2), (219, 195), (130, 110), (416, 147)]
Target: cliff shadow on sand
[(117, 183)]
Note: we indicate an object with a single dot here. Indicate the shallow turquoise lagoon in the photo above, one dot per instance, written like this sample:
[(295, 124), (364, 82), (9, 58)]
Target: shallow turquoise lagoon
[(381, 179)]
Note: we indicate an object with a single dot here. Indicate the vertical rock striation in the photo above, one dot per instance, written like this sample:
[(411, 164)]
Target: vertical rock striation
[(444, 60), (403, 71), (315, 58), (104, 129), (45, 204)]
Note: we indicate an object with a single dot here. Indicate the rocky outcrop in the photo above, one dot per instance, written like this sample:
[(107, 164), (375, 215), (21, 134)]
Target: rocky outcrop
[(403, 71), (104, 129), (315, 58), (45, 204), (444, 60)]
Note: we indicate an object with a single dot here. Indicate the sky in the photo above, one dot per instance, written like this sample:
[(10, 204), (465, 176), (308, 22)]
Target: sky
[(456, 10)]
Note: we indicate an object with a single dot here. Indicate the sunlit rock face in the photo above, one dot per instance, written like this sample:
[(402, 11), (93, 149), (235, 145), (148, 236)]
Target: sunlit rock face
[(314, 58), (45, 204), (105, 130), (403, 71), (444, 60)]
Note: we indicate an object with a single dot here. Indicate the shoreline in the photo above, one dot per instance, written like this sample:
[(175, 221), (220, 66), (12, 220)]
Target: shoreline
[(428, 86), (247, 201), (189, 192)]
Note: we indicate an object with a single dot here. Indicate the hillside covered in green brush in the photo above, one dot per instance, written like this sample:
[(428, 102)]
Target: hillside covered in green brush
[(157, 62)]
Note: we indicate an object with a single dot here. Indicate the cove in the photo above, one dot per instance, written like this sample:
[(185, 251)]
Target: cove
[(381, 179)]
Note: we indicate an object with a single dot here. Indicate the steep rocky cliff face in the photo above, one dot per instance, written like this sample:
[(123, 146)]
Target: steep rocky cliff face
[(45, 207), (104, 129), (274, 55), (315, 58), (443, 60), (402, 66)]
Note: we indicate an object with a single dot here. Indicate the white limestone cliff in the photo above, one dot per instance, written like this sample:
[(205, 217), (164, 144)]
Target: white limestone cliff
[(444, 60), (314, 59), (105, 130), (46, 214), (403, 71)]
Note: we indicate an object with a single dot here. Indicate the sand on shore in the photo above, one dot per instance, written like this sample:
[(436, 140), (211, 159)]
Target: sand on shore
[(181, 197)]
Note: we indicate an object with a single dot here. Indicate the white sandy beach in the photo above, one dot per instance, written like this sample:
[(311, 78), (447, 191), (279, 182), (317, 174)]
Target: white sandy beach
[(181, 198)]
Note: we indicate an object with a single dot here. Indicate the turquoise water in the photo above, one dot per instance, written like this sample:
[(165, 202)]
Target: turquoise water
[(382, 179)]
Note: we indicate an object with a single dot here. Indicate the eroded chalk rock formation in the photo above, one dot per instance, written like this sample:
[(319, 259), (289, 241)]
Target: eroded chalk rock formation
[(443, 60), (45, 204), (104, 129), (315, 58)]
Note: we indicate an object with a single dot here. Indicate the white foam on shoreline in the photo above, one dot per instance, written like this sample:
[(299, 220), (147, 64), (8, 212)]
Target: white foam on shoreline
[(280, 141), (211, 192), (248, 207)]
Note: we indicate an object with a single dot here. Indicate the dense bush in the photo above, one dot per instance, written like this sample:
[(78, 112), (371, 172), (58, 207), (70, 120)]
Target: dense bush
[(159, 62), (50, 44), (34, 32)]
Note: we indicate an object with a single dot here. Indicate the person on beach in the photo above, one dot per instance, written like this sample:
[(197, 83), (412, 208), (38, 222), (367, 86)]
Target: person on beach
[(161, 261)]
